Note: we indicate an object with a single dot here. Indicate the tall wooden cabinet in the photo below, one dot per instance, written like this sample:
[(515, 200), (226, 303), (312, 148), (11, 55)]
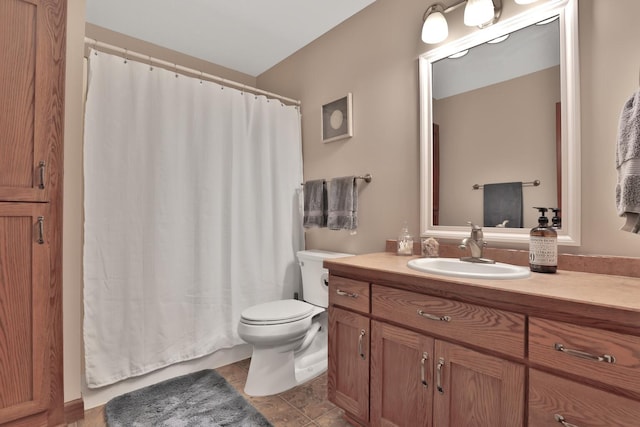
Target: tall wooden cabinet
[(32, 61)]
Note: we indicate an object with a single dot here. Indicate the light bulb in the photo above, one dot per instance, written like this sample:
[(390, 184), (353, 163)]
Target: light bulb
[(478, 12), (435, 28)]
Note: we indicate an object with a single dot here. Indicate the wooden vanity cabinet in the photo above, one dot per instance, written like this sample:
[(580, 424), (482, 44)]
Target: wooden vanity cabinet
[(416, 379), (551, 350)]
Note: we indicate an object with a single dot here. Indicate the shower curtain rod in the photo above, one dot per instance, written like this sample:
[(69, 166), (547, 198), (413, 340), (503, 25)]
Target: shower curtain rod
[(128, 54)]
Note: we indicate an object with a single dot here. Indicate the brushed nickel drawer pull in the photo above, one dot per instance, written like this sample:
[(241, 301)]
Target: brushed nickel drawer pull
[(346, 294), (423, 380), (40, 230), (360, 350), (559, 418), (434, 317), (584, 355), (41, 167), (439, 375)]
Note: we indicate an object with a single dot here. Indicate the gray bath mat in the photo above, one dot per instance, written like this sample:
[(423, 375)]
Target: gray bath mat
[(196, 400)]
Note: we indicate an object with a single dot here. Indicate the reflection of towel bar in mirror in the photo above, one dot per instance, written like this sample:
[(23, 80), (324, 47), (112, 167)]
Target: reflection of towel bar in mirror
[(524, 184), (366, 178)]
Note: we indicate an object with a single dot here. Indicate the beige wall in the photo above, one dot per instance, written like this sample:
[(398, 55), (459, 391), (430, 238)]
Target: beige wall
[(374, 56)]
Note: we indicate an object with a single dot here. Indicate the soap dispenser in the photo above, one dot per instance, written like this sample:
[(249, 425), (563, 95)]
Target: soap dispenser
[(405, 242), (543, 246), (556, 221)]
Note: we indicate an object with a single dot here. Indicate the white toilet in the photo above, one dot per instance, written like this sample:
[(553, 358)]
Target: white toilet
[(289, 337)]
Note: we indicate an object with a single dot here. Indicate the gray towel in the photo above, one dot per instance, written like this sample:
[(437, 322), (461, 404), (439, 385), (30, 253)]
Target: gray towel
[(503, 202), (343, 204), (315, 203), (628, 164)]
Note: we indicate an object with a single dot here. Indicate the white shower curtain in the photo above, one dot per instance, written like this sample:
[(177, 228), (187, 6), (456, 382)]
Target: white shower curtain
[(191, 214)]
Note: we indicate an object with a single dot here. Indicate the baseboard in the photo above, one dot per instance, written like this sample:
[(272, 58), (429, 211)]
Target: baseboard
[(73, 411)]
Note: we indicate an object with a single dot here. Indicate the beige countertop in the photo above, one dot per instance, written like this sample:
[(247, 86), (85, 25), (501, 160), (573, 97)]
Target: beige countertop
[(598, 300)]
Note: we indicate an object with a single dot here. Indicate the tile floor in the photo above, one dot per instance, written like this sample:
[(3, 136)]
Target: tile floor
[(303, 406)]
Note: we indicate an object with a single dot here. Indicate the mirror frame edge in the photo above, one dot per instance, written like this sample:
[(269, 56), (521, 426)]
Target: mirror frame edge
[(570, 95)]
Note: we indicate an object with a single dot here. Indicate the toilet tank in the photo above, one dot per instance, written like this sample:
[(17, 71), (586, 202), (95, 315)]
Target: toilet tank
[(315, 278)]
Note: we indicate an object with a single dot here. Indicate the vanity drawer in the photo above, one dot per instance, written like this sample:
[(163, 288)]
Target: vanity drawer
[(551, 397), (349, 293), (485, 327), (608, 357)]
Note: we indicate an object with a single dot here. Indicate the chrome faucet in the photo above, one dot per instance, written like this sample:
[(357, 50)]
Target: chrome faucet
[(476, 244)]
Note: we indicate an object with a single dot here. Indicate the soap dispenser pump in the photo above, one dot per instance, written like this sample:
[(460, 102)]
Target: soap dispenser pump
[(543, 246), (556, 221)]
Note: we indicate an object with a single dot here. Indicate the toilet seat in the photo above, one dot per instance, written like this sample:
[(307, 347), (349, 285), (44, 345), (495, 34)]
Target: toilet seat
[(277, 312)]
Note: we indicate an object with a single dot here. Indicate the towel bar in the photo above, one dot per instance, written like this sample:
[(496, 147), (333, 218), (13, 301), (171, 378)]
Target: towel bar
[(366, 178), (524, 184)]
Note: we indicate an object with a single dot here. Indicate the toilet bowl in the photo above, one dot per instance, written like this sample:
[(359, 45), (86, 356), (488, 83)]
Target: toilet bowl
[(289, 337)]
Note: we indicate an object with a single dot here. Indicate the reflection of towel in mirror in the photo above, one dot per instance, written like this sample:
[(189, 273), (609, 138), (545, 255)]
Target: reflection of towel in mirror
[(503, 202), (343, 204), (315, 203), (628, 164)]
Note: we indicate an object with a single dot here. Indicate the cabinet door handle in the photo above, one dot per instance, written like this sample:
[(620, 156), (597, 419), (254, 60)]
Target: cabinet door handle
[(40, 230), (439, 375), (559, 418), (360, 349), (346, 294), (584, 355), (41, 167), (434, 317), (423, 380)]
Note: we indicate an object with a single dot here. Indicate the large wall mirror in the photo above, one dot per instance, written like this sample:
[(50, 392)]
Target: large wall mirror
[(500, 128)]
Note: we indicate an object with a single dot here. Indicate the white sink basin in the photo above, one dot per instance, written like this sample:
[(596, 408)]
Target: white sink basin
[(457, 268)]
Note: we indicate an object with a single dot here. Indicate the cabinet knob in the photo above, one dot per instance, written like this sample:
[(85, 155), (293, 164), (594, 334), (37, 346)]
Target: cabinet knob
[(584, 355), (423, 380), (360, 348), (346, 294), (434, 317), (559, 418), (439, 375), (41, 167), (40, 239)]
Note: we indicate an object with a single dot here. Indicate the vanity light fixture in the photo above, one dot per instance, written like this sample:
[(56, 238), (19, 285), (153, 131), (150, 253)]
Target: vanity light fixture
[(435, 28), (477, 13)]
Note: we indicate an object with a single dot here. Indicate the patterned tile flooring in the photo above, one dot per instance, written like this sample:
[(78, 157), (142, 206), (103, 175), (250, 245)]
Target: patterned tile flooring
[(302, 406)]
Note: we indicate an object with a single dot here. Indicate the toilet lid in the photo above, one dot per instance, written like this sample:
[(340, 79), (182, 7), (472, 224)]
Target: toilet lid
[(275, 312)]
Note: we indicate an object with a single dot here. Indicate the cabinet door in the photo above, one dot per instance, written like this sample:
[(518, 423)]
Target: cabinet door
[(401, 377), (348, 376), (32, 46), (474, 389), (24, 296)]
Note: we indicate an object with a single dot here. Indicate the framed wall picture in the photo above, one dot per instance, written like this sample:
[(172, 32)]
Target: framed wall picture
[(336, 119)]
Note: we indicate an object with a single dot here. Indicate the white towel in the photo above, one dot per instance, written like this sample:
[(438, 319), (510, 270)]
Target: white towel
[(343, 204), (628, 164)]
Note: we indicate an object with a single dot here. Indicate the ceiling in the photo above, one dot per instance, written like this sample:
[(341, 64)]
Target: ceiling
[(249, 36)]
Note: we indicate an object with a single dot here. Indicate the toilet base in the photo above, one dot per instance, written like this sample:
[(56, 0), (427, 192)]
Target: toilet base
[(274, 370)]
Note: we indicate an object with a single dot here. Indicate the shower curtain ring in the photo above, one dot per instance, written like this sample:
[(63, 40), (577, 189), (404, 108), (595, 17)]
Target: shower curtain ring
[(126, 52)]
